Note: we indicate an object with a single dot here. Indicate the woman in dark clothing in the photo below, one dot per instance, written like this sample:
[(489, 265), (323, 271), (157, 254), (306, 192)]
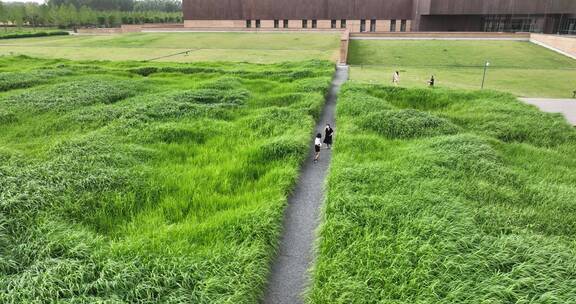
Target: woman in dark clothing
[(328, 136), (431, 81)]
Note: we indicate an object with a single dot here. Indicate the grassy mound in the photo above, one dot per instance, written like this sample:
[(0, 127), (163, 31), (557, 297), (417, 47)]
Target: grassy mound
[(407, 124), (18, 80), (69, 95), (469, 217)]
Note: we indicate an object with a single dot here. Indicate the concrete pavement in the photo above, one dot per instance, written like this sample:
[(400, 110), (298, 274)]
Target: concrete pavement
[(565, 106)]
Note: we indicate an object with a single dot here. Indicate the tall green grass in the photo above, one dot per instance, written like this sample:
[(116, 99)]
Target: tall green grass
[(440, 196), (118, 186)]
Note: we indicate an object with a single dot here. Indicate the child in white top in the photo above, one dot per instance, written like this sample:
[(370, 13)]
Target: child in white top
[(317, 146)]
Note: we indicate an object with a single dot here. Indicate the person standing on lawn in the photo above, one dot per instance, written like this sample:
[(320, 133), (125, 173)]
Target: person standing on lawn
[(431, 81), (317, 146), (328, 131), (396, 78)]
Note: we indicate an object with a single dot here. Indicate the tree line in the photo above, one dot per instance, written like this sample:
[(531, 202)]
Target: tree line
[(123, 5), (75, 13)]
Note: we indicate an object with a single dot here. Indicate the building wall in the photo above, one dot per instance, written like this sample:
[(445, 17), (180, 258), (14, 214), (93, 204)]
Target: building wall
[(422, 15), (501, 7), (296, 9), (215, 23), (294, 24)]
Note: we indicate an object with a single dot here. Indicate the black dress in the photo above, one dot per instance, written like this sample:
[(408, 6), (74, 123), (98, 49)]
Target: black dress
[(328, 136)]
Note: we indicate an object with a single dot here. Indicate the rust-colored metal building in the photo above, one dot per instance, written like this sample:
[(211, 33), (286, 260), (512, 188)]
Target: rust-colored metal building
[(545, 16)]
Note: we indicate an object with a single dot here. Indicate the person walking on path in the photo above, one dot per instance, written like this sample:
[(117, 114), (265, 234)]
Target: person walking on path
[(396, 78), (317, 146), (328, 131)]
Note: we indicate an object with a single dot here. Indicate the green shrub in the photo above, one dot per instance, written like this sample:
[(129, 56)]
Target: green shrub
[(408, 123), (33, 34)]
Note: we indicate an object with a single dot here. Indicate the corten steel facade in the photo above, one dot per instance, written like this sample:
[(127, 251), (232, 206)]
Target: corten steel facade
[(548, 16)]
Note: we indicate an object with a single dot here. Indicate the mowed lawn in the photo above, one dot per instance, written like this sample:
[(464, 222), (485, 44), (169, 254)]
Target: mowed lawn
[(128, 182), (181, 47), (518, 67), (447, 196)]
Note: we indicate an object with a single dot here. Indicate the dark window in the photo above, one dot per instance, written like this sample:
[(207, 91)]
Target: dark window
[(248, 23), (373, 25), (314, 23), (510, 23), (568, 26), (257, 23), (276, 23), (392, 25), (333, 23), (343, 23), (304, 23), (285, 23), (363, 25), (403, 25)]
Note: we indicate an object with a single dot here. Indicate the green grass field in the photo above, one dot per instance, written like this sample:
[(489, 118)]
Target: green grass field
[(439, 196), (170, 47), (153, 181), (147, 183), (521, 68)]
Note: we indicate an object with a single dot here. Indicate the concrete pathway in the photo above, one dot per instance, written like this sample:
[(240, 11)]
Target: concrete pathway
[(564, 106), (289, 274)]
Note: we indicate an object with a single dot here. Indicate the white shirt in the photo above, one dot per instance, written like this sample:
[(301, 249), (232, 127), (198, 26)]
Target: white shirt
[(318, 141)]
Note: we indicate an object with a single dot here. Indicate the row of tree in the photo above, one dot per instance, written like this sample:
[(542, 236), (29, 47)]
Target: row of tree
[(68, 15), (123, 5)]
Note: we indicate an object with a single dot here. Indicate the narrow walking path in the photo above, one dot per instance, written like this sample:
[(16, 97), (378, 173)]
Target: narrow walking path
[(289, 274), (565, 106)]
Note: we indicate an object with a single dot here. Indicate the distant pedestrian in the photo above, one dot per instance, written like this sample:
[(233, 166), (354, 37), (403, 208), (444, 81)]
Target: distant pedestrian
[(328, 131), (317, 146), (396, 78), (431, 81), (574, 94)]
